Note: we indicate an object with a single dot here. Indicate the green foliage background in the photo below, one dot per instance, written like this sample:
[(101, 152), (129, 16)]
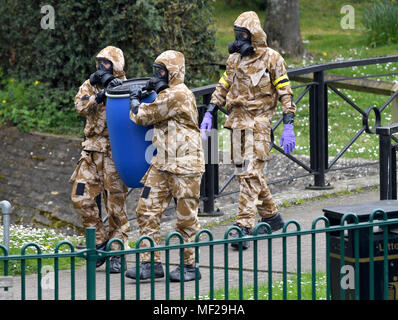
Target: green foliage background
[(381, 22), (61, 59), (64, 56)]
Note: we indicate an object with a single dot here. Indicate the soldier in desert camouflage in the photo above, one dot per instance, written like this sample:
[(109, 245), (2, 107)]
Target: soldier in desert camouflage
[(254, 80), (95, 172), (176, 170)]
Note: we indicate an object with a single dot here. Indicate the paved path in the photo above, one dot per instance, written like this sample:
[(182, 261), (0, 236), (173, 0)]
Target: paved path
[(304, 214)]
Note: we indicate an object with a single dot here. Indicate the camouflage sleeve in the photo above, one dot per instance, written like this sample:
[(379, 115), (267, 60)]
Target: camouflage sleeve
[(85, 99), (281, 83), (157, 111), (219, 95)]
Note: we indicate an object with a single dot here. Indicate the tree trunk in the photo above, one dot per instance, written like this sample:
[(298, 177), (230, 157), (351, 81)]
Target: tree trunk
[(282, 26)]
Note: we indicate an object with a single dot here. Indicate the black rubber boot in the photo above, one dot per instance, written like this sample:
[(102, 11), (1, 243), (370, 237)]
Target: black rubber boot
[(189, 273), (275, 222), (145, 271), (235, 235), (116, 265)]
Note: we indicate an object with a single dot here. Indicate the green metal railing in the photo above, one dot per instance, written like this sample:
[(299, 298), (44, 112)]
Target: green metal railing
[(90, 254)]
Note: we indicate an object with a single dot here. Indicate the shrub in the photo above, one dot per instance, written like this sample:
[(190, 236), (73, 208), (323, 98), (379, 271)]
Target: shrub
[(32, 105), (64, 56), (381, 21), (43, 68)]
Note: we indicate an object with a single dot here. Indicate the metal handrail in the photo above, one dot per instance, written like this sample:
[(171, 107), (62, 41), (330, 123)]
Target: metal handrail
[(341, 64), (318, 91)]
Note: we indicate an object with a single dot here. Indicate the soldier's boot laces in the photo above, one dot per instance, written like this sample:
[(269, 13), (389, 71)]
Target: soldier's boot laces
[(145, 271)]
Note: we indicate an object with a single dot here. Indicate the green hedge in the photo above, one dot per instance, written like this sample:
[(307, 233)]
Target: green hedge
[(64, 56), (34, 106), (60, 59)]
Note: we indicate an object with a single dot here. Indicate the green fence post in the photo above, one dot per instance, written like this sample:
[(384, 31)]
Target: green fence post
[(211, 265), (255, 255), (313, 248), (385, 260), (91, 258), (371, 252), (72, 269), (23, 269)]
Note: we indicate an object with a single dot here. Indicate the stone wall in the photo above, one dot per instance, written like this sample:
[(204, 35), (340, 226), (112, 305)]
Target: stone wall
[(34, 175)]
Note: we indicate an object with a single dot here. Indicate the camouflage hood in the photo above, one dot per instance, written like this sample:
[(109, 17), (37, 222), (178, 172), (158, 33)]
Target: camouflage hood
[(174, 61), (251, 22), (115, 55), (253, 65)]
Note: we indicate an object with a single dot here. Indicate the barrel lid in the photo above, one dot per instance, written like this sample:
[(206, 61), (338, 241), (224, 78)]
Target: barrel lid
[(126, 85)]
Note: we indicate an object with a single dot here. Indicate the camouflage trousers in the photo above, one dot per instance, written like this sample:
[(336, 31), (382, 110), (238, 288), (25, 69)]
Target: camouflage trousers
[(96, 174), (249, 154), (159, 188)]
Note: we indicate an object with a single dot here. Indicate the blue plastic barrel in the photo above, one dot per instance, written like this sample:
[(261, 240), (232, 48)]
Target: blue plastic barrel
[(130, 143)]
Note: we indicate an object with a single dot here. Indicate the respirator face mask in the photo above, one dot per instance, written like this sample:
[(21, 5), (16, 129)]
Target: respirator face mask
[(242, 43), (160, 79), (103, 75)]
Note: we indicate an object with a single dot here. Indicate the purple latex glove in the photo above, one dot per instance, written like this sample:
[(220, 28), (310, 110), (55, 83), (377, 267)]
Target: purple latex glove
[(288, 140), (206, 125)]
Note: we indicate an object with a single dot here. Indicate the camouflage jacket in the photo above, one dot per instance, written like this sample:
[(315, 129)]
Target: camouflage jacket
[(251, 86), (95, 130), (174, 115)]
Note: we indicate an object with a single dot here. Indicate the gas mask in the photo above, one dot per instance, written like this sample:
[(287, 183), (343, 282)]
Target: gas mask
[(242, 43), (160, 79), (103, 75)]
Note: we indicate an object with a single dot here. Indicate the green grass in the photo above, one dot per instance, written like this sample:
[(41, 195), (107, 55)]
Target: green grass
[(319, 25), (344, 123), (46, 239), (277, 289)]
